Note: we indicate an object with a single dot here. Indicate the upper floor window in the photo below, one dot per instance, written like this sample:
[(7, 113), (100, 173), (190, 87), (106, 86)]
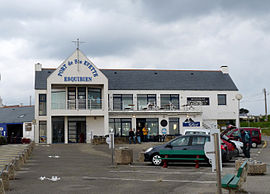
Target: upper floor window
[(94, 98), (122, 101), (169, 101), (197, 101), (143, 100), (222, 99), (58, 98), (42, 105)]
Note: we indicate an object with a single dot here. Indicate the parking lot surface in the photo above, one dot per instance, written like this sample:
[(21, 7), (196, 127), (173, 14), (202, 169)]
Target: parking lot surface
[(85, 168)]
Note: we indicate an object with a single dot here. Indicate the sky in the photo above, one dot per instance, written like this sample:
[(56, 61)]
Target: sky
[(152, 34)]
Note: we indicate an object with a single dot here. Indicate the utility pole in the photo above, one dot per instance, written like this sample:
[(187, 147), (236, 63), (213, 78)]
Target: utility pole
[(265, 104)]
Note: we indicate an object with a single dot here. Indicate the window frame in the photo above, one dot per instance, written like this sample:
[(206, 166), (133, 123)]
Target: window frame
[(220, 101)]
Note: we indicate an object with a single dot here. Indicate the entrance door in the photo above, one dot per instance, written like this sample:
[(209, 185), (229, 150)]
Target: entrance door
[(76, 129), (15, 133), (58, 129)]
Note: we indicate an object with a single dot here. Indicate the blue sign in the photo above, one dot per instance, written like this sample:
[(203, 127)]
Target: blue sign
[(77, 79), (3, 130), (69, 63), (164, 131), (191, 124)]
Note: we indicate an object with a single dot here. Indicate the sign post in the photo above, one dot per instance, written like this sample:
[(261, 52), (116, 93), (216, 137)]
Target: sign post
[(110, 142), (213, 153)]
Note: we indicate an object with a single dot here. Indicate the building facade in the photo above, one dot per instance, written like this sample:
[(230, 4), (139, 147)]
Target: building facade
[(16, 123), (77, 101)]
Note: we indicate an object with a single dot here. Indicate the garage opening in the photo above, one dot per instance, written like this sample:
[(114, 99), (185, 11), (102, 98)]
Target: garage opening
[(15, 133)]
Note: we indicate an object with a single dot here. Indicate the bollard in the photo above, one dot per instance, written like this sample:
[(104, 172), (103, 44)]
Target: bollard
[(165, 162), (5, 180), (11, 172), (2, 190), (17, 163), (197, 162)]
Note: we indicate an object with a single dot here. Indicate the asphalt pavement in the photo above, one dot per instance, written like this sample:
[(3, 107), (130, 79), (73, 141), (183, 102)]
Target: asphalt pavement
[(86, 168)]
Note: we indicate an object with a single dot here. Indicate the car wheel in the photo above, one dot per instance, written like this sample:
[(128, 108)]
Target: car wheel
[(156, 160), (254, 145)]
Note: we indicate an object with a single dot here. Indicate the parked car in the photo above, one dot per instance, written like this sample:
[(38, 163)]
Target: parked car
[(185, 142), (255, 134), (235, 147), (197, 131)]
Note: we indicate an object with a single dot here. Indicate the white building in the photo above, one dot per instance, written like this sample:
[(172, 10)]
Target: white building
[(78, 99)]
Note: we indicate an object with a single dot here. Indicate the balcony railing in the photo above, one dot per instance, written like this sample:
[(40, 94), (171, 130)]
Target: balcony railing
[(79, 104), (154, 107)]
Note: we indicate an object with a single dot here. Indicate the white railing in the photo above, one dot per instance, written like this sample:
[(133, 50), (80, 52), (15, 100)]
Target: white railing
[(79, 104), (154, 107)]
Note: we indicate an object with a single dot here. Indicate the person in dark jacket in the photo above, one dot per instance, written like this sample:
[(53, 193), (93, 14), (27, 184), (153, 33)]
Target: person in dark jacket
[(131, 136), (246, 139), (138, 135)]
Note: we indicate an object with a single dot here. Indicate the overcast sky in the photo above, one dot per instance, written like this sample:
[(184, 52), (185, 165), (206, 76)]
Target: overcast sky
[(171, 34)]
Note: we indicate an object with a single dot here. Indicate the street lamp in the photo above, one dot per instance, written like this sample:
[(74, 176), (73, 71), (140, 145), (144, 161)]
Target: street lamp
[(238, 97)]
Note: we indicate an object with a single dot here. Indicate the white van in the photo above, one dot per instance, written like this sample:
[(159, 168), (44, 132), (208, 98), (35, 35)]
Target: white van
[(197, 131)]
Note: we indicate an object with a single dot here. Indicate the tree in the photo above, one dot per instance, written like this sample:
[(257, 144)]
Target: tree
[(243, 111)]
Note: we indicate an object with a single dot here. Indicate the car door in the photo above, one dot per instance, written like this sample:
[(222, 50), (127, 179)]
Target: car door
[(181, 143), (197, 142)]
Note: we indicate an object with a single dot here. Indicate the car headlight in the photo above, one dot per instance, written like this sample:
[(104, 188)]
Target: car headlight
[(149, 149)]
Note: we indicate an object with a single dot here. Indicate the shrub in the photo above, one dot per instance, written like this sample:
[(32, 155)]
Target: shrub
[(3, 140)]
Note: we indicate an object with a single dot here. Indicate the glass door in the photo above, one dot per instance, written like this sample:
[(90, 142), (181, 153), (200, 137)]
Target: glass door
[(71, 98), (82, 97)]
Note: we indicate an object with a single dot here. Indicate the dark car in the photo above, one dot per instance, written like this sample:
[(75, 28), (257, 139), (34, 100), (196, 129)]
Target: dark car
[(186, 142)]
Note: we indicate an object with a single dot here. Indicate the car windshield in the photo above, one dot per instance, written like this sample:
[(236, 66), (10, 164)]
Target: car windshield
[(195, 132), (225, 137)]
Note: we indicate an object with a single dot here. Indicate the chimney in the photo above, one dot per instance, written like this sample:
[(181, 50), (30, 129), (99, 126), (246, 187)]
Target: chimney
[(38, 67), (224, 69)]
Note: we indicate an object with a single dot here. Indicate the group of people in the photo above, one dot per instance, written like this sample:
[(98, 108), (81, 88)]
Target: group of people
[(139, 135)]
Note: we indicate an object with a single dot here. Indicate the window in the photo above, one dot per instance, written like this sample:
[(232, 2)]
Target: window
[(222, 99), (169, 101), (173, 126), (198, 140), (42, 105), (120, 126), (198, 101), (58, 99), (122, 101), (71, 98), (152, 126), (182, 141), (145, 99), (94, 98), (42, 131), (81, 97)]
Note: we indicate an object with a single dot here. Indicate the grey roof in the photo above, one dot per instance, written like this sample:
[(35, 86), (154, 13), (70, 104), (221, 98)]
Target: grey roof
[(17, 114), (41, 78), (134, 79)]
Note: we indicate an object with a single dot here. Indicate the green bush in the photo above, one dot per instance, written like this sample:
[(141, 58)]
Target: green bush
[(3, 140)]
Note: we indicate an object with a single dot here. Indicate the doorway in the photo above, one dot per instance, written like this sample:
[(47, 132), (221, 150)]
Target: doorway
[(15, 133), (76, 129)]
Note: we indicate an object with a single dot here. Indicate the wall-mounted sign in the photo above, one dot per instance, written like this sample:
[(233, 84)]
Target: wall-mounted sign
[(197, 101), (191, 124), (28, 126), (69, 63)]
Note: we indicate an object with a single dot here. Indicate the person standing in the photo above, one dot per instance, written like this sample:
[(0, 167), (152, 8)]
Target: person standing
[(138, 135), (245, 138), (145, 133), (131, 136)]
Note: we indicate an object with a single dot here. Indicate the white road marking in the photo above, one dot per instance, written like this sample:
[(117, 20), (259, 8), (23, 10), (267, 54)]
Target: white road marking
[(148, 180), (153, 172)]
